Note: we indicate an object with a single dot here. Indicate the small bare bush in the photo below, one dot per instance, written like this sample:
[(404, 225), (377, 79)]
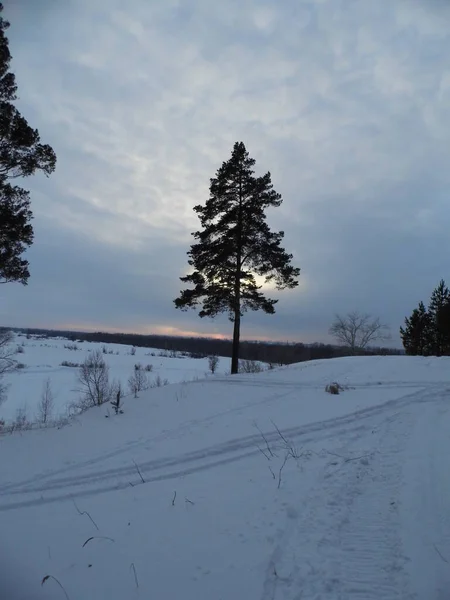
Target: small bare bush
[(117, 394), (158, 382), (249, 366), (20, 350), (138, 381), (149, 368), (93, 377), (71, 347), (21, 421), (3, 392), (213, 363), (46, 403), (68, 363), (133, 351)]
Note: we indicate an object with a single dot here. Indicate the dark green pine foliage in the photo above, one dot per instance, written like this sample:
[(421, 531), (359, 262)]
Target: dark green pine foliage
[(234, 245), (417, 334), (439, 311), (21, 155)]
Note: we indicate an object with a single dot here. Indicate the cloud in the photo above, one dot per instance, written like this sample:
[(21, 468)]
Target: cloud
[(347, 106)]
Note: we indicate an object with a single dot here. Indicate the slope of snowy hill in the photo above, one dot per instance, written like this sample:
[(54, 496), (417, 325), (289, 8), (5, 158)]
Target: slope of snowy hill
[(260, 487), (44, 359)]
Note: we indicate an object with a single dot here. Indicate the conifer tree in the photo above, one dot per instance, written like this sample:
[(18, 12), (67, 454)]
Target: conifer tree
[(21, 155), (234, 245), (439, 311), (417, 334)]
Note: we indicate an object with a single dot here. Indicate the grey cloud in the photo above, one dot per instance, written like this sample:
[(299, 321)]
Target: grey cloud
[(348, 107)]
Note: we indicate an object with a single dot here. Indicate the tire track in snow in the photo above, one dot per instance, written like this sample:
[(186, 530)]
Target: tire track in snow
[(92, 483), (348, 542), (48, 482)]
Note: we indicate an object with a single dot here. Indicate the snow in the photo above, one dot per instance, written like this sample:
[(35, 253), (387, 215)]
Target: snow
[(43, 357), (261, 487)]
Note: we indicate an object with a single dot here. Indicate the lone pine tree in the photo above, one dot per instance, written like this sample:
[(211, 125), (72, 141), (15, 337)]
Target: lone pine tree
[(234, 246), (21, 155)]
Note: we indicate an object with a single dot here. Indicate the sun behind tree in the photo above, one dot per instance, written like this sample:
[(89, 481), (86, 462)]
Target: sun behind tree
[(235, 245)]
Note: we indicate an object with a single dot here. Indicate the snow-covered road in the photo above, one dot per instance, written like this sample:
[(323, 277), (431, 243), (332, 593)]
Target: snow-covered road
[(350, 499), (375, 523)]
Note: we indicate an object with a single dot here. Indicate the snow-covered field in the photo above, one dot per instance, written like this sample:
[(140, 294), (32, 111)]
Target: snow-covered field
[(255, 487), (43, 357)]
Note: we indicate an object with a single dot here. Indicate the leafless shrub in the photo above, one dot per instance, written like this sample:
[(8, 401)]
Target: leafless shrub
[(3, 392), (137, 382), (71, 347), (288, 445), (116, 397), (249, 366), (46, 403), (20, 365), (158, 382), (281, 445), (133, 351), (20, 350), (93, 377), (149, 368), (21, 421), (213, 363), (68, 363), (357, 331), (7, 352)]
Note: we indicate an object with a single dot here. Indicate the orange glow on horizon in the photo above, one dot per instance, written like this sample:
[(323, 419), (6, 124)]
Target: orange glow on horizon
[(155, 330)]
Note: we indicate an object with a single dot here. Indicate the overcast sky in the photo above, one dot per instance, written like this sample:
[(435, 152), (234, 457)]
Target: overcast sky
[(345, 102)]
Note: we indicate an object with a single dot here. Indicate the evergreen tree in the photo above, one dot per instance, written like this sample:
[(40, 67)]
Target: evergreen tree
[(235, 245), (416, 336), (439, 311), (21, 155)]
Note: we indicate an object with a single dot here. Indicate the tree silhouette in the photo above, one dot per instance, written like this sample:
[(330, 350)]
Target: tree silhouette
[(234, 246), (21, 155)]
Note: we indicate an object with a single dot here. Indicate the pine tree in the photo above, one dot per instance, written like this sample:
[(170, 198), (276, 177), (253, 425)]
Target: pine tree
[(416, 336), (21, 155), (439, 311), (235, 245)]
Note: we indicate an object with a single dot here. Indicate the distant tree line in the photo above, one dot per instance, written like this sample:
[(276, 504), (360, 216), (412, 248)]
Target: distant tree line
[(427, 331), (276, 353)]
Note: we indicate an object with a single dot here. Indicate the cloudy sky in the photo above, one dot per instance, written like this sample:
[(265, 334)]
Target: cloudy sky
[(346, 102)]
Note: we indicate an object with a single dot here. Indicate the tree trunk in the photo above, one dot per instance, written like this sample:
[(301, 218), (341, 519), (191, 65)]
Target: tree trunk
[(237, 289), (235, 350)]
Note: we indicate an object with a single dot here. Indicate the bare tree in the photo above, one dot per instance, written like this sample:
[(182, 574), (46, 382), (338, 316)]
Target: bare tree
[(7, 361), (356, 331), (3, 392), (213, 362), (138, 381), (47, 402), (93, 376), (7, 352)]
